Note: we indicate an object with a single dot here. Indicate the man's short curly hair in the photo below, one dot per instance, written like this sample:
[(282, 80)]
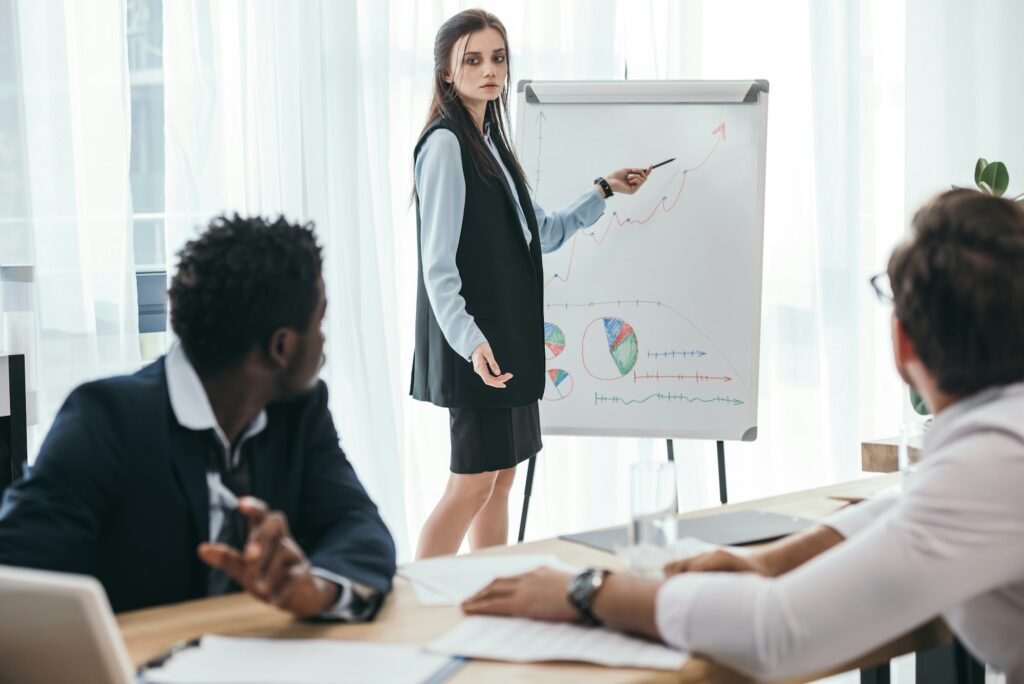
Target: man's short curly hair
[(240, 281)]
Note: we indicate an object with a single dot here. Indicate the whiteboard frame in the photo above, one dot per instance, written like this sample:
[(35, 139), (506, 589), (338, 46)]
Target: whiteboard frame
[(753, 92)]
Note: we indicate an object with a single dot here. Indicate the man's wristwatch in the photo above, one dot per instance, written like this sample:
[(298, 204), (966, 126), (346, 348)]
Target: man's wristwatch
[(583, 589), (604, 186)]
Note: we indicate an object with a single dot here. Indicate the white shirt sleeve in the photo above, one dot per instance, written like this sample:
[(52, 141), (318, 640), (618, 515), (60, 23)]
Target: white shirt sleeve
[(344, 608), (441, 189), (853, 519), (956, 532)]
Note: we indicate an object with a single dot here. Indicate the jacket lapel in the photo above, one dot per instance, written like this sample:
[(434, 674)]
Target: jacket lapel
[(189, 461), (527, 206)]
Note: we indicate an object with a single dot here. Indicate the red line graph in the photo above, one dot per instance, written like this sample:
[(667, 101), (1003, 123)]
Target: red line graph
[(615, 222), (697, 377)]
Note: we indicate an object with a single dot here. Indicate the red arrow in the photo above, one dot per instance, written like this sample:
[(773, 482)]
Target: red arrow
[(720, 130)]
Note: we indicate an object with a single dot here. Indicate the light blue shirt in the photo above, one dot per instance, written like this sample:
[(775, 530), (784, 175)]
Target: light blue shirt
[(441, 189), (193, 411)]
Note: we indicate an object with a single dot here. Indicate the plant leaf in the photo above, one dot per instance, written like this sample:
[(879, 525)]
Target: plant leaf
[(979, 167), (998, 178), (985, 187)]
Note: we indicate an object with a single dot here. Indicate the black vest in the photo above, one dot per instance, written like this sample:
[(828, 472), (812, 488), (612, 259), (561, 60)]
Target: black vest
[(502, 283)]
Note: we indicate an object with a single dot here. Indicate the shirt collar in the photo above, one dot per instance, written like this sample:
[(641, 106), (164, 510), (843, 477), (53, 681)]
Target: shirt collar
[(189, 402), (944, 424)]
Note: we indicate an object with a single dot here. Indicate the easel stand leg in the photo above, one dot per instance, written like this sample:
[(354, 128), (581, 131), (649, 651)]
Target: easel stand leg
[(723, 494), (672, 460), (526, 497)]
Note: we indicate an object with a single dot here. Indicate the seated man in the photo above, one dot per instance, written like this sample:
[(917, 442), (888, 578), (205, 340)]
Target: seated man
[(217, 466), (952, 544)]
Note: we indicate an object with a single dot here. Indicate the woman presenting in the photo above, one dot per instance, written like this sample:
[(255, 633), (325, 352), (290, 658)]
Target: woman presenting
[(479, 301)]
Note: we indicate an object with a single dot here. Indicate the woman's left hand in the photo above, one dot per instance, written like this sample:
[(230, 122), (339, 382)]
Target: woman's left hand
[(628, 180)]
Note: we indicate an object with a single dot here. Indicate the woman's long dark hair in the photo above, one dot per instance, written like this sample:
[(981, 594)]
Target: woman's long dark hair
[(446, 102)]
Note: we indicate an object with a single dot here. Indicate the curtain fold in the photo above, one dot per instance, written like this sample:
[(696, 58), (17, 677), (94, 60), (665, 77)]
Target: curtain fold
[(66, 261), (962, 102)]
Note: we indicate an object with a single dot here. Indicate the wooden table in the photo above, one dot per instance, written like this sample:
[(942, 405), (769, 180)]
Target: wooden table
[(403, 620), (880, 455)]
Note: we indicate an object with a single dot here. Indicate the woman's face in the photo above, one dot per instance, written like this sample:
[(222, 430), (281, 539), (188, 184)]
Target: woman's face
[(479, 66)]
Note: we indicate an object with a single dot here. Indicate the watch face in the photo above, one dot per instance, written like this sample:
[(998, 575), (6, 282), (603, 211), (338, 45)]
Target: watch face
[(581, 587)]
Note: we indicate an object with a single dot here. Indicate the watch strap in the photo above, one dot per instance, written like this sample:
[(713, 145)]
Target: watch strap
[(604, 186)]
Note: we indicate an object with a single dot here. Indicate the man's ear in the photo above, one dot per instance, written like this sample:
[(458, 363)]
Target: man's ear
[(282, 347), (903, 348)]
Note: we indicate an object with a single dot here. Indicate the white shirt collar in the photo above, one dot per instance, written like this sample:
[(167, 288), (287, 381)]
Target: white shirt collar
[(189, 402)]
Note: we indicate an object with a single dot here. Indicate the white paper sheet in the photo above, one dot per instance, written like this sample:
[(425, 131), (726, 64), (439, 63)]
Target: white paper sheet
[(648, 561), (232, 660), (520, 640), (449, 581)]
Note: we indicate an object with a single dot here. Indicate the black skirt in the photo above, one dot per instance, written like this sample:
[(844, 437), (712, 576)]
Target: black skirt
[(487, 439)]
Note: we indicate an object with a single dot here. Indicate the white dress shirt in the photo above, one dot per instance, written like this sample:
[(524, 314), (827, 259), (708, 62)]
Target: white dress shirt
[(192, 410), (952, 544)]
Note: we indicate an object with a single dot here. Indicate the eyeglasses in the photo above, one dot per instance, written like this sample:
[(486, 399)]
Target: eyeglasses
[(882, 286)]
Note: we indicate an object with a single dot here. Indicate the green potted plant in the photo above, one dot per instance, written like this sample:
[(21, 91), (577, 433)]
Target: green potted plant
[(992, 178)]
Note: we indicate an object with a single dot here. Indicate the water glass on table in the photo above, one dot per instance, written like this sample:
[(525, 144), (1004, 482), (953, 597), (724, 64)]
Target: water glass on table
[(911, 447), (652, 530)]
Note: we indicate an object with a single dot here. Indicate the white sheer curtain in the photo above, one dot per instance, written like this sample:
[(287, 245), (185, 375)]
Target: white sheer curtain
[(66, 266), (962, 101), (282, 108)]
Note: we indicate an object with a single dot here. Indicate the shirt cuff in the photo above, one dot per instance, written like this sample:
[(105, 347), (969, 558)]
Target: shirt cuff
[(591, 205), (853, 519), (673, 605), (347, 607), (469, 341)]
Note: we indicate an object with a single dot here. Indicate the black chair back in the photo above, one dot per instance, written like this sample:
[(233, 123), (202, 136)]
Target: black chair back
[(13, 420)]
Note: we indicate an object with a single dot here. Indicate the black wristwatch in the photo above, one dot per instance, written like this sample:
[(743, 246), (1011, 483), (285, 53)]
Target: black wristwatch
[(582, 590), (604, 186)]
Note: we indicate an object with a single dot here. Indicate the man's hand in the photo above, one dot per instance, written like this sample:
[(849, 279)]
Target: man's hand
[(541, 595), (272, 567), (771, 560), (718, 560)]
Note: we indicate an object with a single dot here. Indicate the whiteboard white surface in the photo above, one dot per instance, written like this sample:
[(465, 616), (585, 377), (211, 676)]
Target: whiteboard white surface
[(653, 314)]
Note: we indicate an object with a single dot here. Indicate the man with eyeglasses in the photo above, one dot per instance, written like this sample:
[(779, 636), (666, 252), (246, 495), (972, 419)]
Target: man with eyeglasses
[(952, 544), (216, 468)]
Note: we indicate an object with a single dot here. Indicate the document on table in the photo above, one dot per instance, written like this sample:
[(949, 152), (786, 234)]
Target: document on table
[(523, 641), (451, 580), (233, 660)]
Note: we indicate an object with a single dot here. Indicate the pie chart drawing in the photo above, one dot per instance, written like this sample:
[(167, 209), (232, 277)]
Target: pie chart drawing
[(558, 386), (613, 355), (554, 340)]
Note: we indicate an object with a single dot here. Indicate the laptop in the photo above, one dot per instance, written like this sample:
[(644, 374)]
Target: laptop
[(735, 528), (56, 627)]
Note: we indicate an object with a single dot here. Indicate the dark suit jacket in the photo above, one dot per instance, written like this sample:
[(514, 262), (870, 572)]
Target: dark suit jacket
[(119, 492)]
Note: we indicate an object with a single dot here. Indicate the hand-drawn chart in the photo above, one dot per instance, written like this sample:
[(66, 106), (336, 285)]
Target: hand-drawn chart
[(652, 314)]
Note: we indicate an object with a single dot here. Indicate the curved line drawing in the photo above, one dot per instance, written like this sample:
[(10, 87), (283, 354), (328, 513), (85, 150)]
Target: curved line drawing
[(719, 134)]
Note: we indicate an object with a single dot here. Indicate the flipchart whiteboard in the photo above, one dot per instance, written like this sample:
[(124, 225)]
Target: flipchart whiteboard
[(653, 314)]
